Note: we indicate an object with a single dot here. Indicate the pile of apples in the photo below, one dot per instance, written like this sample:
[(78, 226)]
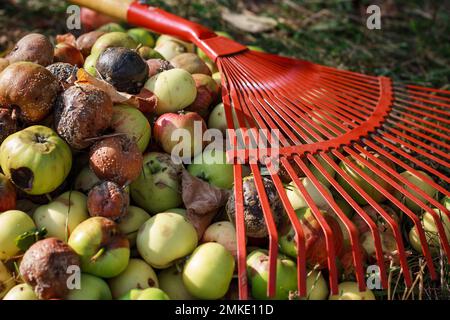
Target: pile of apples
[(92, 205)]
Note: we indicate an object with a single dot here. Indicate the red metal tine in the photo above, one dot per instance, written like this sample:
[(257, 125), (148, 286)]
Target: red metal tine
[(353, 232), (299, 235), (394, 226), (367, 219), (329, 243), (271, 227), (240, 232), (416, 124)]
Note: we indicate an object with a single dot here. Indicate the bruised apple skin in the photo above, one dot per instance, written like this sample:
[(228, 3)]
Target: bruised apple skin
[(117, 159), (108, 200), (191, 63), (123, 68), (8, 195), (156, 66), (222, 232), (253, 214), (46, 267), (29, 87), (86, 41), (64, 72), (35, 48), (8, 123), (82, 112)]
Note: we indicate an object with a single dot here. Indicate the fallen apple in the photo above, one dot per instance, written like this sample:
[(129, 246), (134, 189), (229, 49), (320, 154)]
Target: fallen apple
[(130, 224), (145, 294), (8, 196), (111, 27), (180, 211), (164, 238), (258, 275), (103, 250), (171, 282), (112, 39), (208, 272), (91, 288), (142, 36), (369, 188), (175, 90), (446, 202), (13, 224), (212, 166), (217, 119), (86, 180), (298, 201), (133, 123), (61, 216), (316, 286), (7, 281), (350, 291), (21, 292), (421, 184), (158, 187), (180, 134), (431, 232), (189, 47), (67, 53), (222, 232), (328, 168)]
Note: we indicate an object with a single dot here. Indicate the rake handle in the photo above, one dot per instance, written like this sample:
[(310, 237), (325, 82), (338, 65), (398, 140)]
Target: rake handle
[(152, 18)]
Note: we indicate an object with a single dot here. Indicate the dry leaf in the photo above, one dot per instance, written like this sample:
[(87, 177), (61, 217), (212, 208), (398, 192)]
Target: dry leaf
[(249, 22), (144, 101), (202, 201), (67, 38)]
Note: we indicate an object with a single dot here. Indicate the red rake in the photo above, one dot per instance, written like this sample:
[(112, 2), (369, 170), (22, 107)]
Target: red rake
[(324, 116)]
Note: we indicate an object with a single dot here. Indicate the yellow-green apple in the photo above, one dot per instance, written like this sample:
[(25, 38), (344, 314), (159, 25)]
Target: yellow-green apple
[(62, 215), (137, 275), (181, 211), (208, 272), (132, 122), (130, 224), (316, 286), (217, 119), (21, 291), (421, 184), (142, 36), (174, 88), (171, 282), (222, 232), (328, 168), (6, 280), (170, 49), (190, 47), (350, 291), (212, 166), (369, 188), (258, 275), (13, 224), (145, 294), (180, 134), (86, 180), (431, 232), (91, 288), (103, 249), (298, 201), (316, 251), (164, 238), (8, 195), (158, 188)]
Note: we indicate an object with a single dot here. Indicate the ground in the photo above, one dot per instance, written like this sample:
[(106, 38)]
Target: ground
[(413, 44)]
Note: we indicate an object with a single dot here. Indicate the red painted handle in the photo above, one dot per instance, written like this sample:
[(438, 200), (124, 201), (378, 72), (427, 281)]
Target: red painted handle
[(163, 22)]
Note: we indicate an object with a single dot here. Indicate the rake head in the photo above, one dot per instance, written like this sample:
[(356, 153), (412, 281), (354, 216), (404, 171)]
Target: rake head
[(329, 121)]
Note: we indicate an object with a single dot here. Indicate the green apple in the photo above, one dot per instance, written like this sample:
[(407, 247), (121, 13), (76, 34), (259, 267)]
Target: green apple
[(130, 224), (431, 232), (13, 223), (158, 188), (21, 292), (316, 286), (91, 288), (256, 48), (222, 232), (111, 27), (142, 36), (132, 122), (218, 120), (137, 275), (103, 249), (217, 77), (89, 64), (86, 180), (112, 39), (258, 275), (212, 167), (188, 46), (170, 49), (319, 175), (6, 280), (180, 211), (171, 282), (146, 294), (166, 237), (421, 184), (62, 215), (446, 202), (208, 272), (298, 201), (350, 291), (369, 188)]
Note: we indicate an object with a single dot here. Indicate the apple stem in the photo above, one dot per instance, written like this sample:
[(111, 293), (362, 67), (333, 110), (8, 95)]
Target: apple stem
[(98, 254)]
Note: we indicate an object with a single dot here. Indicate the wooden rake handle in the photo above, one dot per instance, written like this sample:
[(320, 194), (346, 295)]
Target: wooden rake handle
[(152, 18)]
